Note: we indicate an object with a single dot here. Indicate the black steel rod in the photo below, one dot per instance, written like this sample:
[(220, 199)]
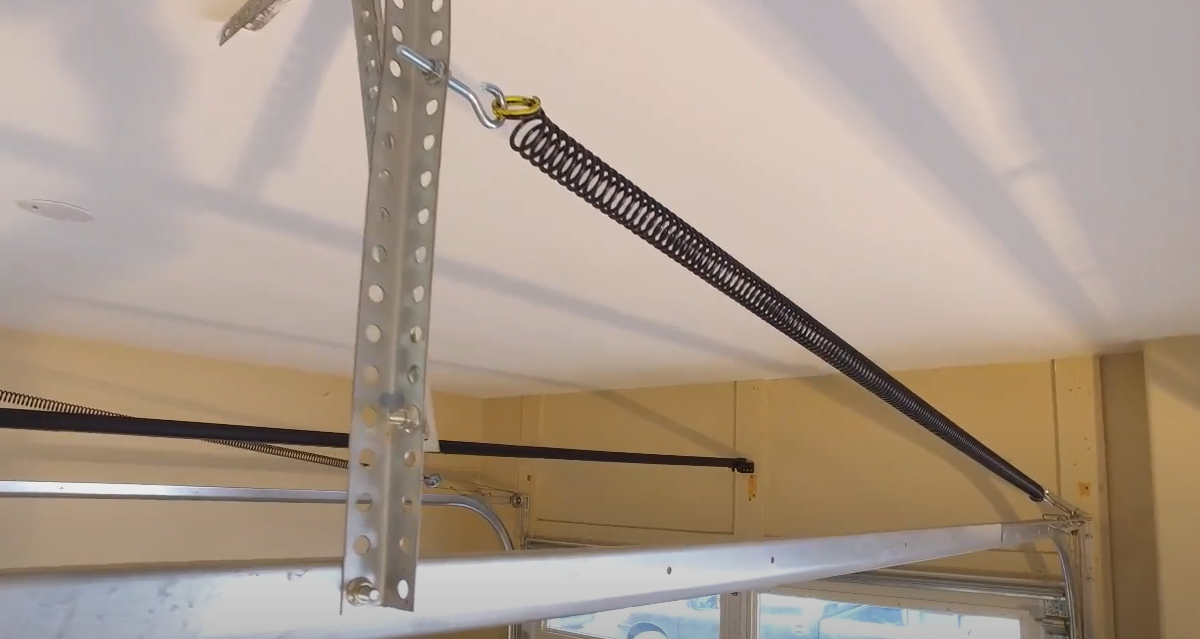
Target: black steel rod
[(36, 420), (480, 449)]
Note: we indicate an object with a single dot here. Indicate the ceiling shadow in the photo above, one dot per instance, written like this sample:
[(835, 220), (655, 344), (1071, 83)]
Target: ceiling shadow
[(839, 38), (278, 130), (1111, 97)]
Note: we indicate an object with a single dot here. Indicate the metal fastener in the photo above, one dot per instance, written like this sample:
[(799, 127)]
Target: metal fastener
[(361, 592)]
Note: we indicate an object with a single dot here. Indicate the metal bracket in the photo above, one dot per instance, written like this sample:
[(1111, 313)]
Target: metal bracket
[(252, 16), (403, 120), (1055, 619), (1057, 608)]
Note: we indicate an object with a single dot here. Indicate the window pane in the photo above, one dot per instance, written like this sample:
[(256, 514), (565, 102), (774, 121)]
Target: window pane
[(784, 617), (698, 618)]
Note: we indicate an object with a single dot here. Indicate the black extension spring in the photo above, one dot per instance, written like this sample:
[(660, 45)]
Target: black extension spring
[(566, 161), (41, 403)]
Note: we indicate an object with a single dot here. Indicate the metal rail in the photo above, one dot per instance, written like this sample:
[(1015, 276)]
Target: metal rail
[(1002, 585), (171, 492), (257, 600)]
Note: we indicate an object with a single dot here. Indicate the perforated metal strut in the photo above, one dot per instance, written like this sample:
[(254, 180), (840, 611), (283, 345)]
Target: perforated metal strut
[(558, 155)]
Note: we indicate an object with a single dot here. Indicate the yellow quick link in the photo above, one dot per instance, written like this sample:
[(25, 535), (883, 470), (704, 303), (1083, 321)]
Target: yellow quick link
[(516, 107)]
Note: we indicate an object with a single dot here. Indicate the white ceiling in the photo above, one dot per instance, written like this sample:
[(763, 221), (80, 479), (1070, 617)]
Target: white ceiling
[(940, 182)]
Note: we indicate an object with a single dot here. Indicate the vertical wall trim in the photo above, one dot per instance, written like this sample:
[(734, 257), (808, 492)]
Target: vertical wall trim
[(750, 433), (1080, 418), (531, 435)]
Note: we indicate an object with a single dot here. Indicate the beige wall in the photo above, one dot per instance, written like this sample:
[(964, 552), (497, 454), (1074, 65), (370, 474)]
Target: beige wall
[(830, 458), (1131, 503), (1172, 370), (47, 532)]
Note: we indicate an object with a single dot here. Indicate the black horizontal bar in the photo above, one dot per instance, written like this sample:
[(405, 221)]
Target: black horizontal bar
[(480, 449), (36, 420)]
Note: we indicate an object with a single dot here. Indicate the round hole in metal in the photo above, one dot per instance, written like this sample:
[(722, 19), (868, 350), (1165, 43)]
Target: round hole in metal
[(362, 544), (369, 415)]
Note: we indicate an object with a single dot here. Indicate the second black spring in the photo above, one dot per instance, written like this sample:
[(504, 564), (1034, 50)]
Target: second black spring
[(566, 161), (55, 406)]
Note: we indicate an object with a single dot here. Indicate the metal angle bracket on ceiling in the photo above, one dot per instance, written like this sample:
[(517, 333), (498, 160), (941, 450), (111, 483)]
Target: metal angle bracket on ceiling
[(403, 119), (252, 16), (257, 600), (392, 420)]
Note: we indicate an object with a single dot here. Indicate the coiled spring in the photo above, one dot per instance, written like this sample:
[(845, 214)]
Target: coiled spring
[(41, 403), (547, 147)]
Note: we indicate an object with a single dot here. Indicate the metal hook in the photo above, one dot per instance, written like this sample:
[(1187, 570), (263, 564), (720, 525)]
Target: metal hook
[(437, 71)]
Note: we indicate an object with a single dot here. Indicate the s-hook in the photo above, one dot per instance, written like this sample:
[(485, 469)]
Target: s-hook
[(504, 107)]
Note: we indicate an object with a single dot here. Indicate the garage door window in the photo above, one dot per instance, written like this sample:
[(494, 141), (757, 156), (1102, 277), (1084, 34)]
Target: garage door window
[(698, 618), (795, 617)]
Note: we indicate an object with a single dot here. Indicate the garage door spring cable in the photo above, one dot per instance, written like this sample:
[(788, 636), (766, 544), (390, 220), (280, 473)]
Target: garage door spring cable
[(546, 146), (41, 403)]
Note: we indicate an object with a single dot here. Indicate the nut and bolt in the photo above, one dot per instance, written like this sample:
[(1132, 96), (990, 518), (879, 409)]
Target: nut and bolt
[(361, 592)]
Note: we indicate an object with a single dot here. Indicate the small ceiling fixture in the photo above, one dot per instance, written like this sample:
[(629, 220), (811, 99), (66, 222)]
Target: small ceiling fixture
[(60, 211)]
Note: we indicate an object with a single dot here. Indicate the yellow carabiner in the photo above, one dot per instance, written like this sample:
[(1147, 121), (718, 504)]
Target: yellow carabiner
[(516, 107)]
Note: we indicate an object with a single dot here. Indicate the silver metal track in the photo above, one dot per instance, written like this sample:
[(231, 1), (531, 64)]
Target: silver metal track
[(296, 599), (167, 492), (391, 411)]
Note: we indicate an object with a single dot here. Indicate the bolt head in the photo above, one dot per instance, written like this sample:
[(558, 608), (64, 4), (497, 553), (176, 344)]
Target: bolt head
[(361, 592)]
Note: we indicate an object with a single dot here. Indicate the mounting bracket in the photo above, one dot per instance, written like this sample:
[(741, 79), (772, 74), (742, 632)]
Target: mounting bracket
[(403, 120)]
